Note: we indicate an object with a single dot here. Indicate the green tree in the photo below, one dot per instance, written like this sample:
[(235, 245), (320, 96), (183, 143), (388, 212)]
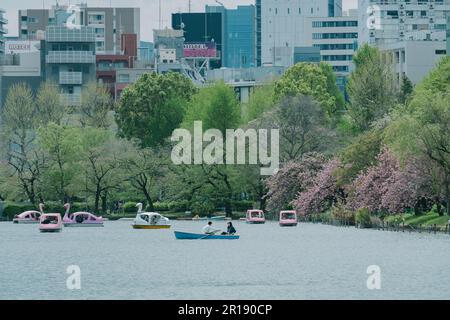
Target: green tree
[(406, 90), (261, 100), (96, 103), (63, 147), (371, 88), (18, 124), (145, 169), (361, 154), (313, 80), (217, 107), (153, 107), (423, 127), (48, 104)]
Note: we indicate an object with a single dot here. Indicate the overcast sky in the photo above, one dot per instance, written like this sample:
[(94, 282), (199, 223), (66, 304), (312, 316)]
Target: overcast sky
[(149, 9)]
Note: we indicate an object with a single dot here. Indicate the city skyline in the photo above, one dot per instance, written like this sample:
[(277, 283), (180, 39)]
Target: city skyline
[(148, 8)]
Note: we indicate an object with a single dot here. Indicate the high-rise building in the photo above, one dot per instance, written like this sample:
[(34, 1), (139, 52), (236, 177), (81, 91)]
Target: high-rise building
[(280, 27), (389, 21), (239, 35), (68, 58), (3, 31), (108, 23), (336, 38)]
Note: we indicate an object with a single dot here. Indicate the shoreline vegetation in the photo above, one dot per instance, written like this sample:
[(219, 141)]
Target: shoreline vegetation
[(379, 158)]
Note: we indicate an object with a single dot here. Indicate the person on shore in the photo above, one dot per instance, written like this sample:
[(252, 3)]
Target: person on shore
[(209, 229)]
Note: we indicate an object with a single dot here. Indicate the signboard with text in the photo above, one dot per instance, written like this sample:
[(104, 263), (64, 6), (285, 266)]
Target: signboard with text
[(21, 46), (200, 50)]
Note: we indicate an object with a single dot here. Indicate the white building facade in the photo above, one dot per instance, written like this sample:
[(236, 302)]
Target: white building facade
[(389, 21), (337, 39), (280, 26)]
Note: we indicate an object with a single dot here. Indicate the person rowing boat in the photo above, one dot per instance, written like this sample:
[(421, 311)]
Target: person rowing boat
[(209, 229)]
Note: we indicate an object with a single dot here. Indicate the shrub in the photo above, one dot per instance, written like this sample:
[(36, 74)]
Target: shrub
[(242, 205), (161, 206), (129, 207), (12, 209), (362, 218), (339, 212), (179, 206)]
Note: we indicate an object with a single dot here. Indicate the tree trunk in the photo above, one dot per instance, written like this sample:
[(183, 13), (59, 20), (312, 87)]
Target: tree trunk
[(149, 199), (97, 199), (228, 208), (105, 202)]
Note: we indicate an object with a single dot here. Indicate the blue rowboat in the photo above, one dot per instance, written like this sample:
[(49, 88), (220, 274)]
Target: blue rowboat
[(195, 236)]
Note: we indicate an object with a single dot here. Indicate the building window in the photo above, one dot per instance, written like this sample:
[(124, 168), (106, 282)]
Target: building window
[(440, 52)]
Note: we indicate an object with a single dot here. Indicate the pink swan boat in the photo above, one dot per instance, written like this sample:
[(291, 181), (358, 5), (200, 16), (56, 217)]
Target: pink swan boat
[(50, 222), (288, 218), (81, 219), (28, 217), (255, 217)]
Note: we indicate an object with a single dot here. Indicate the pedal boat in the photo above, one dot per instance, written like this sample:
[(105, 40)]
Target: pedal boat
[(50, 222), (81, 219), (255, 217), (29, 217), (288, 219), (150, 220)]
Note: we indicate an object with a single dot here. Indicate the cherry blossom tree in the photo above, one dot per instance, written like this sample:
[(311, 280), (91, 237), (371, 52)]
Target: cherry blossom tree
[(323, 193), (293, 178)]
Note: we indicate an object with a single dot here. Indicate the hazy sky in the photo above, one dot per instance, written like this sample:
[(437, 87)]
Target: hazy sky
[(149, 9)]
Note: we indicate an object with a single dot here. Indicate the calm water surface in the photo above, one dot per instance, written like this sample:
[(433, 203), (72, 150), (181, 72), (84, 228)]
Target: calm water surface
[(268, 262)]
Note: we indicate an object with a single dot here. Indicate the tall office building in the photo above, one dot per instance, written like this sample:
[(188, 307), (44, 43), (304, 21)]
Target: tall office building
[(239, 35), (388, 21), (3, 31), (280, 27), (68, 58), (336, 38), (108, 23)]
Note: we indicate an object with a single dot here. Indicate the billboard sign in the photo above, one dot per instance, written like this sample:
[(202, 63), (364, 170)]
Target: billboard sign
[(21, 46), (200, 50)]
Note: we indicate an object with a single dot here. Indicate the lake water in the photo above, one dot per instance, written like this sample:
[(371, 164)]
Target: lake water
[(268, 262)]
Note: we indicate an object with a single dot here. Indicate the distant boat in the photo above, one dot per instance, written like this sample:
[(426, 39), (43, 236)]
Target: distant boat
[(81, 219), (150, 220), (288, 219), (255, 217), (50, 222), (195, 236), (29, 217)]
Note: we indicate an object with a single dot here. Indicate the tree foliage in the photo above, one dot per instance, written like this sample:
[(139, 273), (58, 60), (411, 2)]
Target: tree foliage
[(313, 80), (153, 107)]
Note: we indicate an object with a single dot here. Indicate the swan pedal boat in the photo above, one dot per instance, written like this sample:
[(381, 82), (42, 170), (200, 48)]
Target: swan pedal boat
[(195, 236), (81, 219), (150, 220), (29, 217)]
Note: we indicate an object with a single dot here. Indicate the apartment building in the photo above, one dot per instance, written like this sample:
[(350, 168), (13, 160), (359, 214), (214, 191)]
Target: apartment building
[(3, 31), (280, 25), (108, 23), (389, 21), (69, 60)]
